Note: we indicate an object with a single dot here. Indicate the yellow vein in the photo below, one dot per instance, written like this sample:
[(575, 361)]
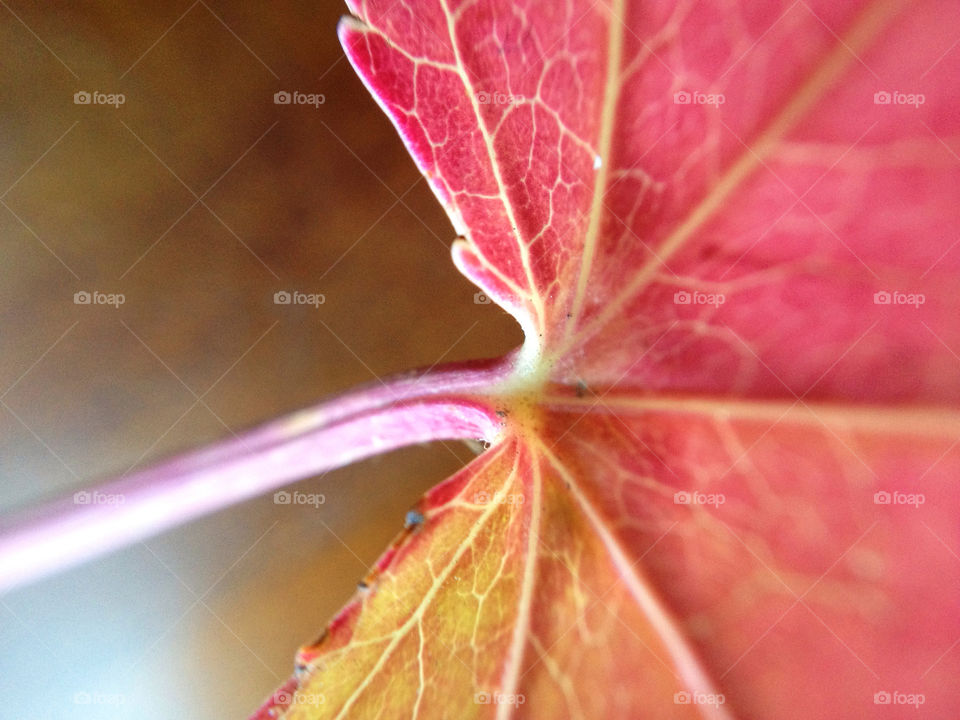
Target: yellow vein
[(844, 54), (608, 116), (689, 667), (495, 271), (899, 420), (535, 297), (439, 581), (521, 628)]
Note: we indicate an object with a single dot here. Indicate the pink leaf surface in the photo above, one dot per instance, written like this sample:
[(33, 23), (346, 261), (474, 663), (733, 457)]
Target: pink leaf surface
[(728, 233), (723, 472)]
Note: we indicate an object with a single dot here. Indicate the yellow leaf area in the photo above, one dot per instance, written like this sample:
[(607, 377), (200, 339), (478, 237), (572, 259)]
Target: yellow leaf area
[(494, 569), (569, 573)]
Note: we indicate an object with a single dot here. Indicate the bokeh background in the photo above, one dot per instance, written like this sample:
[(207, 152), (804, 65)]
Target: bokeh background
[(198, 198)]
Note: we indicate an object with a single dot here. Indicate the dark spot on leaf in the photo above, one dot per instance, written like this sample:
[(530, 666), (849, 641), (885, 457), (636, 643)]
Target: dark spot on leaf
[(413, 520)]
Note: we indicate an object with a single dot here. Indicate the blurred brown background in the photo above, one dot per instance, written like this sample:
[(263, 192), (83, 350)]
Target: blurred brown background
[(202, 621)]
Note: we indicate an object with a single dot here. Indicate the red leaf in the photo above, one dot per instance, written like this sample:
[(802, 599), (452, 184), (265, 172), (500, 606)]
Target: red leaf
[(726, 484)]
